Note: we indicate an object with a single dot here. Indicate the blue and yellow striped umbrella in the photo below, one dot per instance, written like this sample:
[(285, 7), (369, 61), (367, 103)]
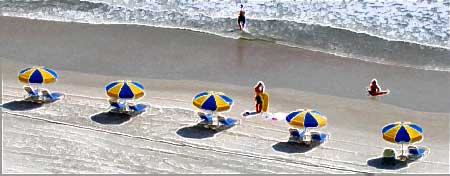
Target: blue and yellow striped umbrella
[(306, 118), (213, 101), (37, 75), (402, 132), (125, 89)]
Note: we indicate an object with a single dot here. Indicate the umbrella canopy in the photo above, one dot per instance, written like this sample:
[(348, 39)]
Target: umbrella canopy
[(402, 132), (37, 75), (306, 118), (125, 89), (213, 101)]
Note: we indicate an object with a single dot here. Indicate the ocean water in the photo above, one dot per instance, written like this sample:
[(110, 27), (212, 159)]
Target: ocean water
[(408, 33)]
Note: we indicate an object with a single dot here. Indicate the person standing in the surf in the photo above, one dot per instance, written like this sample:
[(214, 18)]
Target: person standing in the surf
[(241, 18)]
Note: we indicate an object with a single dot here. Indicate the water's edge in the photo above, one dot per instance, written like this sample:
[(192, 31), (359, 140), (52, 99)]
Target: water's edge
[(316, 37)]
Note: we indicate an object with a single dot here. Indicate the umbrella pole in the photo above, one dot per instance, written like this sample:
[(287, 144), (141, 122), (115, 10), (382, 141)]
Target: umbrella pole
[(305, 134), (215, 115), (402, 149)]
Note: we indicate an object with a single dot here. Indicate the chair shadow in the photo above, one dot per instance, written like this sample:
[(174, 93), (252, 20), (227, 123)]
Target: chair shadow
[(378, 163), (199, 132), (21, 105), (292, 147), (111, 118)]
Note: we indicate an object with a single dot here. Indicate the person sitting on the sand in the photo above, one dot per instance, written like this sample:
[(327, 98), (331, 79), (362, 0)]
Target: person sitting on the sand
[(374, 88), (241, 18)]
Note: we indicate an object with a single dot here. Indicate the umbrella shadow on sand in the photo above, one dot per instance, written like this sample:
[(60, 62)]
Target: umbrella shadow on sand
[(21, 105), (378, 163), (199, 132), (292, 147), (111, 118)]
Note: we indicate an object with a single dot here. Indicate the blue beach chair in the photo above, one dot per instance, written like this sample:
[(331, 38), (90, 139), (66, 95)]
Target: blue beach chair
[(51, 96), (117, 105), (318, 137), (32, 95), (205, 117), (415, 152), (226, 121), (138, 108), (30, 91), (296, 135)]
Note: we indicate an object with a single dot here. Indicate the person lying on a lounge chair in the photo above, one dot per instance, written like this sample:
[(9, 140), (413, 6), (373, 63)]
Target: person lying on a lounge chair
[(207, 118), (32, 95), (296, 135), (116, 105), (318, 136)]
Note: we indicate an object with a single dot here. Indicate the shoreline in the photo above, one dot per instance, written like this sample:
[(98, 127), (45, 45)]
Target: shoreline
[(216, 34), (363, 58), (231, 56)]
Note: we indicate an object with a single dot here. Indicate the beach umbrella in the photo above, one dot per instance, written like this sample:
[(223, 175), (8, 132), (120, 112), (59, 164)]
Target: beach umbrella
[(37, 75), (213, 101), (125, 89), (306, 118), (402, 133)]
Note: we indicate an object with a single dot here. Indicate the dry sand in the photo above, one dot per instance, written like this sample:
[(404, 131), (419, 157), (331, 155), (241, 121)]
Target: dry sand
[(174, 65)]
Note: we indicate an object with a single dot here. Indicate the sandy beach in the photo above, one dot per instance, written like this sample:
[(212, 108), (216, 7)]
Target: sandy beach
[(74, 136)]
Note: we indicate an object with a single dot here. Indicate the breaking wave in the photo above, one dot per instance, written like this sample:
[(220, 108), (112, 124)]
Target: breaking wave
[(409, 34)]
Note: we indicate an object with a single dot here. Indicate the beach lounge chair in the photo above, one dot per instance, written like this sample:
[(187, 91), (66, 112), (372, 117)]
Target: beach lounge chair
[(296, 135), (226, 121), (51, 96), (30, 91), (118, 107), (205, 117), (318, 137), (32, 95), (415, 153), (388, 156), (138, 108)]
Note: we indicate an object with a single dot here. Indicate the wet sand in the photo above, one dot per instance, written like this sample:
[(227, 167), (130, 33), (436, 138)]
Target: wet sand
[(174, 65), (156, 53)]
